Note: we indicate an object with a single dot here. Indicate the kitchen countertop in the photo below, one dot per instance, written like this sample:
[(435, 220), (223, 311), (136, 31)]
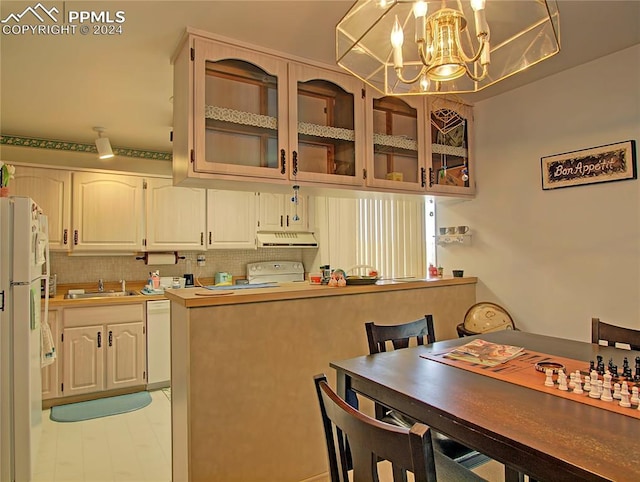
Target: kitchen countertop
[(198, 297), (189, 297)]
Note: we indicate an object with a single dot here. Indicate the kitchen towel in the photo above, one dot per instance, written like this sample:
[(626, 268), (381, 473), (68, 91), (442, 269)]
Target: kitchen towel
[(161, 258), (48, 350)]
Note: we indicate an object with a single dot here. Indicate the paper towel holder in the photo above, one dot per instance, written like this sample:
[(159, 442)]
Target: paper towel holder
[(175, 254)]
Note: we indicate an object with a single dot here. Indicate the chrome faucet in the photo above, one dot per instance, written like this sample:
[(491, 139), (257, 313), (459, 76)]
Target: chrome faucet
[(100, 285), (123, 285)]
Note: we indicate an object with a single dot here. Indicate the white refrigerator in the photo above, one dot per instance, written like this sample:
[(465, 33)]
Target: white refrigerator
[(23, 264)]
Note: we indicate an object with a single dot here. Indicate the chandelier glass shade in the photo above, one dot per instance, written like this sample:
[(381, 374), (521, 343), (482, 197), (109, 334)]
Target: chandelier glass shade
[(402, 47)]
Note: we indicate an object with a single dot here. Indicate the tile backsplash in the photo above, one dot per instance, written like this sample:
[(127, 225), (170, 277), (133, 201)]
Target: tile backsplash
[(87, 269)]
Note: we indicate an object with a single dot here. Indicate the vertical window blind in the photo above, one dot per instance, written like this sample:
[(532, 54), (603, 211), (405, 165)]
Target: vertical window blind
[(392, 236)]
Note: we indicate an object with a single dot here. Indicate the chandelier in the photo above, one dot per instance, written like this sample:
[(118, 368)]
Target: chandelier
[(402, 47)]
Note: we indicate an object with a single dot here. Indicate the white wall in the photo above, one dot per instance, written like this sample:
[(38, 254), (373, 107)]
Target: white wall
[(554, 258)]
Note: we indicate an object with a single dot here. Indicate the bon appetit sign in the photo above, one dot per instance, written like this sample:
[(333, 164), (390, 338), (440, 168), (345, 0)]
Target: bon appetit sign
[(612, 162)]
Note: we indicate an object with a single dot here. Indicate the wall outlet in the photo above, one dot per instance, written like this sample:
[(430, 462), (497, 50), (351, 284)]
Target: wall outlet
[(201, 260)]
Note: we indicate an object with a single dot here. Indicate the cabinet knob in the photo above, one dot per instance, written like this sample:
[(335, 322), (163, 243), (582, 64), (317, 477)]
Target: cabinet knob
[(99, 338), (65, 236), (110, 338), (209, 237), (201, 238), (295, 163), (75, 237), (423, 176), (281, 221)]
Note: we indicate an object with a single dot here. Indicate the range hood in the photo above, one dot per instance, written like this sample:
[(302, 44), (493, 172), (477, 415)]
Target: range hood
[(286, 240)]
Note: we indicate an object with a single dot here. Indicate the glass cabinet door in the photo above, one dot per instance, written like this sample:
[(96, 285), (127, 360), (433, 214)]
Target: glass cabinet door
[(451, 168), (325, 123), (395, 142), (239, 101)]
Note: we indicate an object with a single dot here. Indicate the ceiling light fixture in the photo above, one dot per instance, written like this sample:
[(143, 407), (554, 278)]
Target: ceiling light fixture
[(448, 53), (103, 145)]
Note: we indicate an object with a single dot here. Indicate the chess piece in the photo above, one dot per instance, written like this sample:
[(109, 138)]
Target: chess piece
[(614, 371), (572, 377), (605, 395), (596, 389), (624, 401), (636, 378), (594, 377), (587, 384), (606, 381), (634, 396), (578, 386), (599, 366), (548, 382), (624, 389), (562, 381), (616, 391), (626, 369)]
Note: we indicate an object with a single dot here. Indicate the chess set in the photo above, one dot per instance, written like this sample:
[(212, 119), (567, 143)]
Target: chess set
[(598, 385)]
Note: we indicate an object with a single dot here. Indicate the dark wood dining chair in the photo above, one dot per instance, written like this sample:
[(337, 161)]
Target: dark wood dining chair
[(407, 449), (381, 337), (613, 334)]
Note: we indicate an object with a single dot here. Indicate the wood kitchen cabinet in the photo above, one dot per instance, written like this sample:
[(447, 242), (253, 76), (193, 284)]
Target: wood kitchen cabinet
[(396, 142), (175, 216), (451, 169), (231, 219), (51, 373), (108, 212), (51, 190), (278, 212), (240, 113), (104, 348)]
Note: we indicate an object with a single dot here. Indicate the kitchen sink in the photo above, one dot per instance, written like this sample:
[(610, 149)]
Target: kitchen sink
[(99, 294)]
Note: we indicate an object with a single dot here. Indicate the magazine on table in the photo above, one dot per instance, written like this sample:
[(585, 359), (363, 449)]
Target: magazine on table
[(485, 352)]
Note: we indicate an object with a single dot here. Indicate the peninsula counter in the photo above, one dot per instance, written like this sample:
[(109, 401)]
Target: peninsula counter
[(242, 365)]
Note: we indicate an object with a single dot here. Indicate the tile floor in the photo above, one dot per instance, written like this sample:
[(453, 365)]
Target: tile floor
[(134, 446)]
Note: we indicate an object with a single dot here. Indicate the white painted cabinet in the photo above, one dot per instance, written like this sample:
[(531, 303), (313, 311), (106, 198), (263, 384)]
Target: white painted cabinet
[(51, 190), (231, 219), (108, 212), (277, 212), (175, 216), (104, 348)]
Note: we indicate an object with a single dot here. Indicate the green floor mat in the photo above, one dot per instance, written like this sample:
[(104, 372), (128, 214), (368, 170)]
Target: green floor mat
[(103, 407)]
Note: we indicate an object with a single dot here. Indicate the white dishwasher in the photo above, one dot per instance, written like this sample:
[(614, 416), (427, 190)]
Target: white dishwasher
[(158, 344)]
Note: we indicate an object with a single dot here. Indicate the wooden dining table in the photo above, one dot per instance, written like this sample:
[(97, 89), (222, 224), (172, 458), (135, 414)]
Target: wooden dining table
[(532, 432)]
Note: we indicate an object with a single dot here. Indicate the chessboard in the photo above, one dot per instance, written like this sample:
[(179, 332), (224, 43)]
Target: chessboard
[(522, 371)]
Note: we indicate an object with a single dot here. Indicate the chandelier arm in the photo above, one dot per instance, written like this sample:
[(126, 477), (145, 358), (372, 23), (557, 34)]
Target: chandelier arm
[(474, 58), (423, 55), (405, 81), (485, 71)]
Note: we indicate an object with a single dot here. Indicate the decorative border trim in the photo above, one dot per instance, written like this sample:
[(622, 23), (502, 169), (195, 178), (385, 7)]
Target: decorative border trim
[(78, 147)]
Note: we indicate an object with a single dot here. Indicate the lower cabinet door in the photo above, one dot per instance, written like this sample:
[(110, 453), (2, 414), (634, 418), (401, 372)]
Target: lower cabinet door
[(83, 360), (126, 355)]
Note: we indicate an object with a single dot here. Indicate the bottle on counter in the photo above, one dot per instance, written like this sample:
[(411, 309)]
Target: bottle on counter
[(433, 271)]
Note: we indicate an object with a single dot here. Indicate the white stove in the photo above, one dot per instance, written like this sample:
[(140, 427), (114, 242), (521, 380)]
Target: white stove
[(275, 272)]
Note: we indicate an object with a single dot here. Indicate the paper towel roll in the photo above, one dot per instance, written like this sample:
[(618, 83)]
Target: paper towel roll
[(161, 258)]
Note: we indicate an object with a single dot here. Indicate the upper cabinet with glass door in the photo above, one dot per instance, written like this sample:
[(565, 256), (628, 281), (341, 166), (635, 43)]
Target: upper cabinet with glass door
[(395, 138), (452, 169), (240, 104), (326, 119)]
